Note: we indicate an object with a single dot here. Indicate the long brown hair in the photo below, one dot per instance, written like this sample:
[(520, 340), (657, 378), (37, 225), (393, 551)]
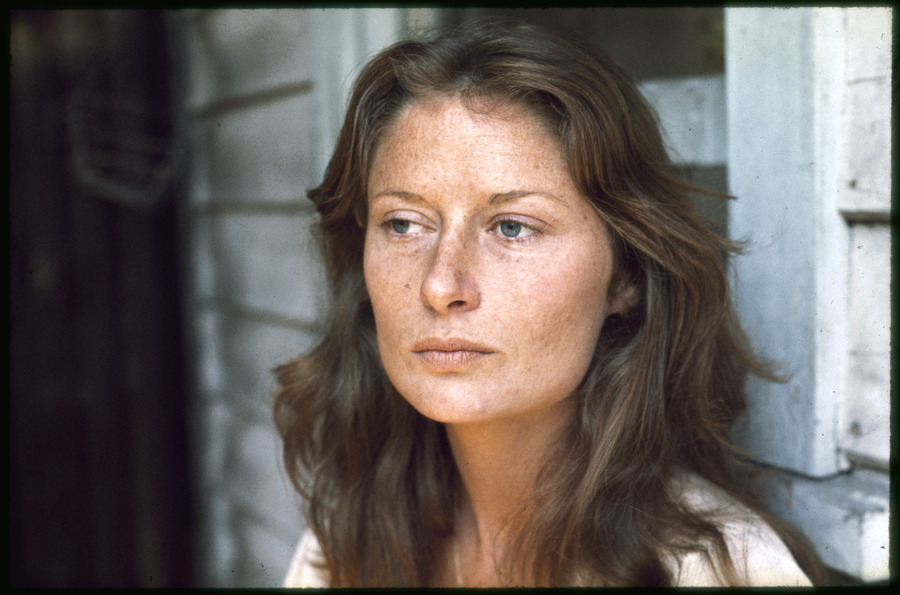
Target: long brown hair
[(663, 390)]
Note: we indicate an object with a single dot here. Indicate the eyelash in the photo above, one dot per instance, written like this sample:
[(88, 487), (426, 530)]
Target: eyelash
[(388, 225), (535, 231)]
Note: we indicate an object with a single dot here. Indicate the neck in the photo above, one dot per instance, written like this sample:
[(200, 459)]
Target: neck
[(498, 462)]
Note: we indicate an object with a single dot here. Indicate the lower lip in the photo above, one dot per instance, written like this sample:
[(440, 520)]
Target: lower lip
[(451, 361)]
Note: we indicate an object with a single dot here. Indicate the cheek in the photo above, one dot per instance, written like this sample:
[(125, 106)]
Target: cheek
[(374, 276), (390, 292), (565, 304)]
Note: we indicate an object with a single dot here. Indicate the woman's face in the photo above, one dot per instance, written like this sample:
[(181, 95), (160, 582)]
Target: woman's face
[(489, 272)]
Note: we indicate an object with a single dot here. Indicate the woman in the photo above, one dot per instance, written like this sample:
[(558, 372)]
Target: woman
[(531, 363)]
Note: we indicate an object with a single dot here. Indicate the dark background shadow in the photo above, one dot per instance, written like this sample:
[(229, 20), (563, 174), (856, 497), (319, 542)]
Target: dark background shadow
[(100, 491)]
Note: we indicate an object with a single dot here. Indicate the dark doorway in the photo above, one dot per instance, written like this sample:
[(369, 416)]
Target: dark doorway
[(100, 490)]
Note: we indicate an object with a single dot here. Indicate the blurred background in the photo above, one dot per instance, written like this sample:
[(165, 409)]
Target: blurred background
[(162, 263)]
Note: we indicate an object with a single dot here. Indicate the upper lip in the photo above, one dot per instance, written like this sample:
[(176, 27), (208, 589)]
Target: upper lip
[(450, 344)]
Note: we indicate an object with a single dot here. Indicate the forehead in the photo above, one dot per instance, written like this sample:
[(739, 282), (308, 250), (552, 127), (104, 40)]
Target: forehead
[(474, 135), (474, 112)]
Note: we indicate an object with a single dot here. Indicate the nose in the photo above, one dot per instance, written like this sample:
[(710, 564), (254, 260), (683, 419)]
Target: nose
[(449, 285)]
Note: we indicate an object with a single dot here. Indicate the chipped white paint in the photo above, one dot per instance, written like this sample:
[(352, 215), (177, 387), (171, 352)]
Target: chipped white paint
[(808, 101)]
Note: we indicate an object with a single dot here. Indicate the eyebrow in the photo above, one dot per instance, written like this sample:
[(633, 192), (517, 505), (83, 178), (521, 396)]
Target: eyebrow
[(494, 199), (399, 194), (514, 194)]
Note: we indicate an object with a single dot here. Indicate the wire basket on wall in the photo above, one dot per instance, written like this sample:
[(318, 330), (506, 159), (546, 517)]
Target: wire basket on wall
[(122, 145)]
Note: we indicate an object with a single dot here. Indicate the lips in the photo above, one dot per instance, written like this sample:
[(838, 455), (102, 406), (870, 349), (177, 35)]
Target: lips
[(450, 355)]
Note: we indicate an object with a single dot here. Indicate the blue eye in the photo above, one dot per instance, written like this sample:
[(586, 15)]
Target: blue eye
[(400, 225), (511, 229)]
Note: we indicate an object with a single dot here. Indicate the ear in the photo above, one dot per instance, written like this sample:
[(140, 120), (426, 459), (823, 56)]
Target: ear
[(623, 298), (360, 214)]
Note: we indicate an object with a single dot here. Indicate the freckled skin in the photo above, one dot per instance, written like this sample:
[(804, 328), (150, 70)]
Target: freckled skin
[(439, 263)]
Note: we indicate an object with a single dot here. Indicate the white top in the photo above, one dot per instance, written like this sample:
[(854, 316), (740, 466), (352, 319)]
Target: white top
[(760, 558)]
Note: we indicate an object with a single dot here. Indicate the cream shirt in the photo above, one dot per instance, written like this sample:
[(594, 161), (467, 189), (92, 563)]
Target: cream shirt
[(760, 558)]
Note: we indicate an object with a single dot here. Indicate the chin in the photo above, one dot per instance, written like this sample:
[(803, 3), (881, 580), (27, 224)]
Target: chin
[(452, 413), (452, 408), (463, 409)]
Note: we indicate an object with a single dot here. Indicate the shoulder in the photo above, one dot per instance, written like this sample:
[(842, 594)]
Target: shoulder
[(760, 557), (305, 570)]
